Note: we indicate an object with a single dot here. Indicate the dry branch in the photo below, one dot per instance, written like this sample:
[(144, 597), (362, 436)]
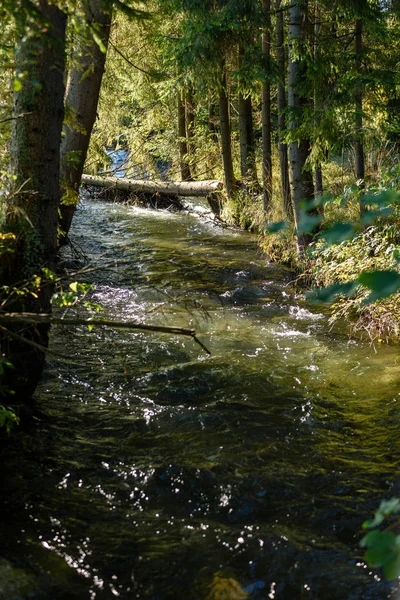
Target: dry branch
[(47, 318)]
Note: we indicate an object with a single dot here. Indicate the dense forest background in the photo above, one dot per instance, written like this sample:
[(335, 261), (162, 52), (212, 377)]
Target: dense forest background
[(295, 106)]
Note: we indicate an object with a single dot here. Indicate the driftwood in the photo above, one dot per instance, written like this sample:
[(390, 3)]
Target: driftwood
[(165, 188)]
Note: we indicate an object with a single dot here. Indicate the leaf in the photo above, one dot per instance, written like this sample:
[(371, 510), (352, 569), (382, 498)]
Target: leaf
[(391, 569), (90, 327), (329, 293), (338, 233), (383, 198), (74, 286), (381, 283), (369, 217), (17, 85), (99, 42), (276, 227), (385, 509), (307, 223), (382, 548), (370, 538)]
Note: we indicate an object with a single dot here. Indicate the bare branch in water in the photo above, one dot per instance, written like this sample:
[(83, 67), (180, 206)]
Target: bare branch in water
[(47, 318)]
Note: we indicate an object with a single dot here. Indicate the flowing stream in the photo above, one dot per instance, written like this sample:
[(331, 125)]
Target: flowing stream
[(158, 471)]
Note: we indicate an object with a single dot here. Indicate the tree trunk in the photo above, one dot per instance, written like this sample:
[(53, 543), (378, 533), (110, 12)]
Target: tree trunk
[(283, 149), (225, 127), (359, 146), (266, 111), (182, 142), (81, 101), (213, 121), (190, 125), (318, 188), (318, 182), (302, 189), (31, 214), (248, 167)]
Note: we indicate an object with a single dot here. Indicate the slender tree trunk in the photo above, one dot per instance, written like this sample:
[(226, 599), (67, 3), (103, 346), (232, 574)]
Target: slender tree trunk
[(359, 146), (32, 213), (182, 143), (190, 125), (302, 188), (318, 181), (82, 96), (266, 111), (246, 132), (319, 188), (225, 128), (283, 149), (213, 121)]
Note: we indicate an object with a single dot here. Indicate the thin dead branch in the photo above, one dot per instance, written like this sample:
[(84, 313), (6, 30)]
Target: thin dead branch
[(47, 318)]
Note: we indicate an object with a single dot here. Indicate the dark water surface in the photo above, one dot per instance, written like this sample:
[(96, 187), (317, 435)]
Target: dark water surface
[(157, 469)]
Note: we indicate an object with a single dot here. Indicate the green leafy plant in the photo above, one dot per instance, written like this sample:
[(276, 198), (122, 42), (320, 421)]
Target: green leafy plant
[(383, 546), (8, 418)]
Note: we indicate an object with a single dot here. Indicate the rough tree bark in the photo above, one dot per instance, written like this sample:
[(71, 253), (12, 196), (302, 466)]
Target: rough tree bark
[(225, 129), (82, 95), (31, 214), (182, 140), (248, 167), (190, 126), (302, 188), (213, 122), (318, 181), (283, 149), (266, 111), (359, 146)]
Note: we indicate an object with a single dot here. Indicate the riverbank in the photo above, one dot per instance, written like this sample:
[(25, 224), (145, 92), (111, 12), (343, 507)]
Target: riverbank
[(346, 256)]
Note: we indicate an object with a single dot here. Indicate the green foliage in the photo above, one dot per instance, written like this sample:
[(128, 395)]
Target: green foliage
[(75, 293), (8, 419), (383, 547), (357, 268)]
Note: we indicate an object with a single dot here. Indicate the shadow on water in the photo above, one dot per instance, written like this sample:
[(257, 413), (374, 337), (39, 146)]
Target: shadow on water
[(154, 467)]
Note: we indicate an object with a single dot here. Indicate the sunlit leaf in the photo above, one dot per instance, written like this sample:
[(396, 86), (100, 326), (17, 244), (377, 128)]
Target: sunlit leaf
[(99, 42), (74, 286), (17, 85)]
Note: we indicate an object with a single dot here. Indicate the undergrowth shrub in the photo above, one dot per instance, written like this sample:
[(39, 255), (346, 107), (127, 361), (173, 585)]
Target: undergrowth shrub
[(375, 249)]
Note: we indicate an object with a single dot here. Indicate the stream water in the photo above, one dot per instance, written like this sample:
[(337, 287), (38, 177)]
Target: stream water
[(157, 471)]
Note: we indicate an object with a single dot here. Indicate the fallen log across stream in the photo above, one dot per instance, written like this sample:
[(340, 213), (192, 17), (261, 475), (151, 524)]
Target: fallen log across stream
[(167, 188)]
